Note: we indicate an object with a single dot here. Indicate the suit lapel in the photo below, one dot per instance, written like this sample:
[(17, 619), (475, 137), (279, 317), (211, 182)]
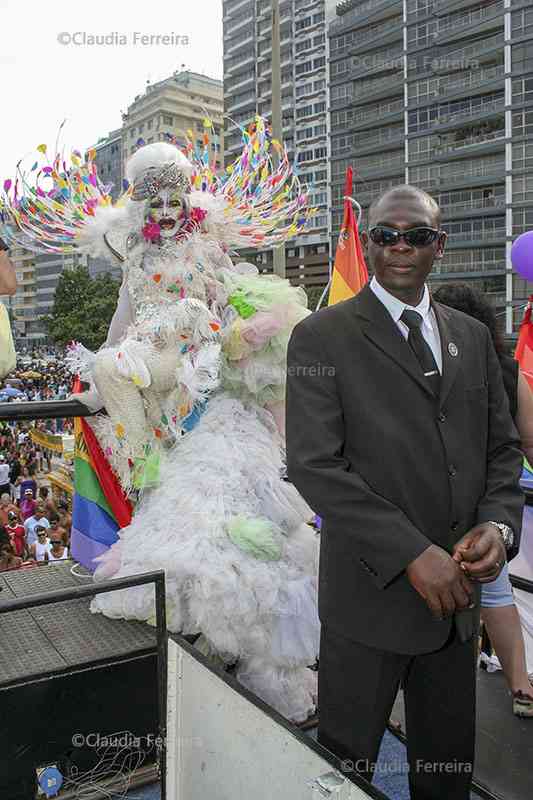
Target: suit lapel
[(452, 349), (383, 332)]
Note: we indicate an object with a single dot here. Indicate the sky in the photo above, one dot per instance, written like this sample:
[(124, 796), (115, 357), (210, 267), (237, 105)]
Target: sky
[(50, 72)]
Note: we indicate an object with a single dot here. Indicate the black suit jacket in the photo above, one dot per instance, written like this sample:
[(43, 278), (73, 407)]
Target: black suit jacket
[(389, 467)]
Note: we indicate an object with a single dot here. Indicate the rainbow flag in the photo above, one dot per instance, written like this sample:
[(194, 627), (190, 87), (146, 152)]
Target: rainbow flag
[(100, 508), (349, 272), (524, 346)]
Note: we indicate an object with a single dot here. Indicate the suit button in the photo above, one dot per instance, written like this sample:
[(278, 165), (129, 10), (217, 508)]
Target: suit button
[(442, 417), (452, 472), (454, 526)]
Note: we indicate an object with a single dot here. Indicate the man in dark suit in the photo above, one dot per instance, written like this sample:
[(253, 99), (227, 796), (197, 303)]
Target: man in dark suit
[(399, 436)]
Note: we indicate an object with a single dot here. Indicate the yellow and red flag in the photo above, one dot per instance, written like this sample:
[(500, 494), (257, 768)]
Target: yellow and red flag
[(349, 272), (524, 347)]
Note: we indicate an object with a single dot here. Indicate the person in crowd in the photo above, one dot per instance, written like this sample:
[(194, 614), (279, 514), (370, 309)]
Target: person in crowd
[(58, 551), (15, 468), (17, 490), (498, 609), (56, 527), (17, 534), (5, 485), (28, 482), (8, 559), (27, 504), (47, 500), (38, 518), (40, 549), (65, 517), (7, 507), (399, 436)]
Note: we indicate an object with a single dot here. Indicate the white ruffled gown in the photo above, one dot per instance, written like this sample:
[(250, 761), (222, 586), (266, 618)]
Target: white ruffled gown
[(261, 612)]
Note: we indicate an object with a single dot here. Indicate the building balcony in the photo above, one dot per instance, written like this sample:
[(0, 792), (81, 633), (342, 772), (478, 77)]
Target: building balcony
[(379, 140), (474, 144), (483, 77), (370, 66), (480, 207), (441, 7), (387, 112), (238, 45), (473, 22), (383, 88), (386, 34), (238, 87), (360, 13), (235, 9), (469, 178), (477, 239), (384, 169), (472, 114), (233, 106), (461, 57), (236, 24)]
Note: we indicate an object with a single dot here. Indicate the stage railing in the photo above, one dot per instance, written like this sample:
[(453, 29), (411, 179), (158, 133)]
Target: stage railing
[(79, 592)]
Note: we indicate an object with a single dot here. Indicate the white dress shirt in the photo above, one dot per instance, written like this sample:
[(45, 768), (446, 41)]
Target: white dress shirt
[(4, 474), (429, 327)]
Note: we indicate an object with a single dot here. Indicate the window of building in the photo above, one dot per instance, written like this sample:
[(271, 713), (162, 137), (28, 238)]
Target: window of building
[(522, 57), (301, 69), (522, 22), (304, 111), (522, 90), (523, 154), (523, 123), (167, 119)]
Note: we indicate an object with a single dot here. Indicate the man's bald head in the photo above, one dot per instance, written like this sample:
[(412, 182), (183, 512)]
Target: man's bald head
[(408, 194)]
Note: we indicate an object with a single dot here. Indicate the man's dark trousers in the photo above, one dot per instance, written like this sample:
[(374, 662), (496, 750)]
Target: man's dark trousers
[(354, 708)]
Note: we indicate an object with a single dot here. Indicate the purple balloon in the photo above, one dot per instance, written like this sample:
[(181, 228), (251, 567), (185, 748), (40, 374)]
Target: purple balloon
[(522, 255)]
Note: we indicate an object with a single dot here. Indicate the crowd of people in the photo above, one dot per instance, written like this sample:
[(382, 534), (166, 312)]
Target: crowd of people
[(34, 527)]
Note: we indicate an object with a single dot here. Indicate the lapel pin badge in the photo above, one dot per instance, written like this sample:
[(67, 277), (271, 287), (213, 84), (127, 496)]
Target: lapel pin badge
[(452, 349)]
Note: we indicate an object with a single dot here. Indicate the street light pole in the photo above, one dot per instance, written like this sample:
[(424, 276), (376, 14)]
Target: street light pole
[(279, 263)]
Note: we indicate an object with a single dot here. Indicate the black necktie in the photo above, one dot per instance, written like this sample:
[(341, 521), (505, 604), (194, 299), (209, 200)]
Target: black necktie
[(421, 349)]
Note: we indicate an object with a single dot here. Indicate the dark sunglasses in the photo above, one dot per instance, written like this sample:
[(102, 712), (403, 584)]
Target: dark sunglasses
[(414, 237), (55, 541)]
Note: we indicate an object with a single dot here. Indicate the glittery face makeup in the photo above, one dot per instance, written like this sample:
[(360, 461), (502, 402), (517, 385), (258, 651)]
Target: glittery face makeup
[(165, 210)]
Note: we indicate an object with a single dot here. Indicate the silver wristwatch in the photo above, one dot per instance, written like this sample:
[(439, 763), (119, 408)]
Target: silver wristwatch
[(506, 533)]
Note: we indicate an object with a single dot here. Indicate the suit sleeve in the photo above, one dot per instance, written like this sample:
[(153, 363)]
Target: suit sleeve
[(503, 500), (384, 539)]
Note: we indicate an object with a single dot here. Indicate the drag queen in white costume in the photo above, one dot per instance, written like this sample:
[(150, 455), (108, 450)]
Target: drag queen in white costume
[(192, 379)]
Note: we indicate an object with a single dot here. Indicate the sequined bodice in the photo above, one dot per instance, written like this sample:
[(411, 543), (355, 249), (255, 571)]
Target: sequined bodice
[(157, 279)]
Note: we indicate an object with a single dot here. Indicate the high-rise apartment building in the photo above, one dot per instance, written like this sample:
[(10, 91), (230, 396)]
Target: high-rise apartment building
[(439, 94), (175, 105), (108, 160), (248, 91), (23, 305)]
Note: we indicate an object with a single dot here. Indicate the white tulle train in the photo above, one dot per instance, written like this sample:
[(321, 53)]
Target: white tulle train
[(261, 611)]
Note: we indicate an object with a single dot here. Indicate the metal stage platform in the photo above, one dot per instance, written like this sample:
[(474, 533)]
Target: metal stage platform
[(504, 745), (62, 635), (69, 680)]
